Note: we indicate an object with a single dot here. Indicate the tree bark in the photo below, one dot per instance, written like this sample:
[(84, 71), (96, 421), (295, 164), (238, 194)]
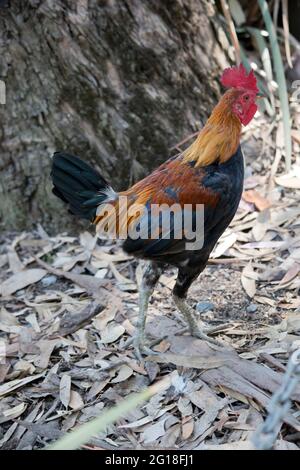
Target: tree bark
[(116, 82)]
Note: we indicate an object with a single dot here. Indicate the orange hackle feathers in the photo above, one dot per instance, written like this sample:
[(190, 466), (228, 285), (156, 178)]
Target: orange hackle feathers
[(237, 77), (220, 137)]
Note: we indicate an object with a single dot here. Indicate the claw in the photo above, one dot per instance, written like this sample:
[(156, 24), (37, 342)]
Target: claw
[(215, 329), (142, 349), (202, 333)]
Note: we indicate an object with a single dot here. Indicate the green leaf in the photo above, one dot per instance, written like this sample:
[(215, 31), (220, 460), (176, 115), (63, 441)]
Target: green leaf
[(263, 51), (280, 78), (237, 12)]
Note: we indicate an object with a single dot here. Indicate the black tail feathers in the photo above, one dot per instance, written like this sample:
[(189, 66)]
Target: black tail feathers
[(78, 184)]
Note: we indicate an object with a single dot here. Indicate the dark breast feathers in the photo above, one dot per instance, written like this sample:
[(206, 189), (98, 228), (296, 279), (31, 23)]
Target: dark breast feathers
[(218, 187)]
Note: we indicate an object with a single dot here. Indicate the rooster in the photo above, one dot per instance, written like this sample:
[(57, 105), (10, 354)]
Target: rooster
[(209, 174)]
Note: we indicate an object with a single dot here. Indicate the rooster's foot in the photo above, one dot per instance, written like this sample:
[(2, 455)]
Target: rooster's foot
[(202, 333), (143, 348)]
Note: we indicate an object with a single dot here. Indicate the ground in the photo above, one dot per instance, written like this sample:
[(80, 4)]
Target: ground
[(69, 306)]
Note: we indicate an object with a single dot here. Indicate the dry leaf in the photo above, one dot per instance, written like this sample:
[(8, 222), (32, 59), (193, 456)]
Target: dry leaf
[(260, 202), (290, 180), (240, 445), (169, 439), (20, 280), (187, 428), (67, 262), (65, 390), (248, 280), (204, 398), (206, 420), (8, 318), (111, 333), (24, 366), (15, 264), (89, 283), (12, 413), (107, 315), (291, 273), (123, 283), (265, 300), (153, 432), (188, 361), (184, 406), (75, 402), (224, 245), (261, 226), (167, 281), (46, 348), (294, 303), (88, 241), (123, 374), (3, 260), (8, 387)]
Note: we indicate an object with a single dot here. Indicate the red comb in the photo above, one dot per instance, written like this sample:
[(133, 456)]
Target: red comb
[(236, 77)]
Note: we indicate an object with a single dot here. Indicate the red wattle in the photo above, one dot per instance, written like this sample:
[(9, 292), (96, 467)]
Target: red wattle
[(249, 115)]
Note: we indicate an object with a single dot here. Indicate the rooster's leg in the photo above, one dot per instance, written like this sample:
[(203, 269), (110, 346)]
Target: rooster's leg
[(188, 313), (183, 282), (150, 277)]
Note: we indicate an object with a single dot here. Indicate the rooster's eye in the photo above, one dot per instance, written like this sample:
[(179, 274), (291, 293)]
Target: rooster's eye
[(246, 97)]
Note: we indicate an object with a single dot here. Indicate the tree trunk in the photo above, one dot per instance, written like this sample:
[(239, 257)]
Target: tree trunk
[(117, 82)]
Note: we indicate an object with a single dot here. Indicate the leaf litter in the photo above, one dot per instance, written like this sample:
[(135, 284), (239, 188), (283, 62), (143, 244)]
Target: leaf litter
[(68, 308)]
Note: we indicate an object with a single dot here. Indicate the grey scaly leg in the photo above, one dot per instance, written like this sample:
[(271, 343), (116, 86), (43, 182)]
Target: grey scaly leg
[(150, 277), (183, 282), (188, 313)]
